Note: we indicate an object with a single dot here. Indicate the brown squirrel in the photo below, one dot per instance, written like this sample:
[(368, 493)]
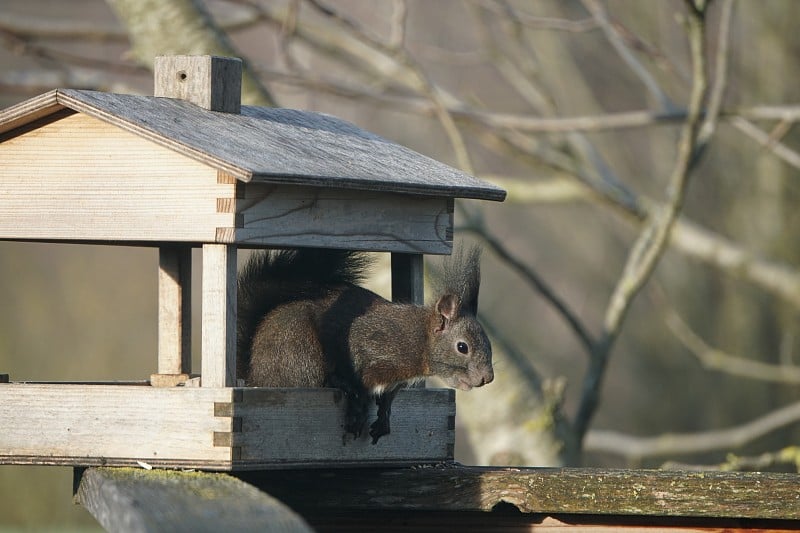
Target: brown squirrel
[(305, 322)]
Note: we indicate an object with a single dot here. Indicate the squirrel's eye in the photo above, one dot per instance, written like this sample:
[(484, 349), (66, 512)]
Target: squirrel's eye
[(462, 347)]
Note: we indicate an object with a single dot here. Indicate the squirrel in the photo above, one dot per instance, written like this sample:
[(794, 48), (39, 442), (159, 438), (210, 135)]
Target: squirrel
[(304, 321)]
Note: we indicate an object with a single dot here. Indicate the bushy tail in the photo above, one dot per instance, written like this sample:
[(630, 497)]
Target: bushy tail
[(272, 278)]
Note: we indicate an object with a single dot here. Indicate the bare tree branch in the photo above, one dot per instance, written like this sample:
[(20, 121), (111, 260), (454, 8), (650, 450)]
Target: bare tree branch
[(714, 359), (650, 245), (637, 448), (534, 279), (538, 23), (599, 14)]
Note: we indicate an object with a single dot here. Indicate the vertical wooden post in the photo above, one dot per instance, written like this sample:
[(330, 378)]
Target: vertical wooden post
[(213, 83), (408, 278), (218, 366), (408, 282), (174, 316)]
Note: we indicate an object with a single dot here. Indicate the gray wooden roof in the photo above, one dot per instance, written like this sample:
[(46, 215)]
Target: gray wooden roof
[(268, 145)]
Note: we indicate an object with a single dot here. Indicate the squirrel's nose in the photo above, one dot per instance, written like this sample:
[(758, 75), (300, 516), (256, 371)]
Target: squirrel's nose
[(488, 377)]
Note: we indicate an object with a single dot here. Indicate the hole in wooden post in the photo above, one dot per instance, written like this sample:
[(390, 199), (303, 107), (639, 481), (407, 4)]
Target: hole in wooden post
[(182, 75)]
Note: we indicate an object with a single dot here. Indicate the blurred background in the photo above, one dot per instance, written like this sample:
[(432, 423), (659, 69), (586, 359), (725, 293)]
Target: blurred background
[(618, 342)]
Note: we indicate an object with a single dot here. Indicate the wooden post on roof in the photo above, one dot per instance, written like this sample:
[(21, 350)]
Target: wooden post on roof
[(213, 83)]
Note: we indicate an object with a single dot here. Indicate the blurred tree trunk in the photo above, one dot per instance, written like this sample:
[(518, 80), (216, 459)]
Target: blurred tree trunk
[(162, 27)]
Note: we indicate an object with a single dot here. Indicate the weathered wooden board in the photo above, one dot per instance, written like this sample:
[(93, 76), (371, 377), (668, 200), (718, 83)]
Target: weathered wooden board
[(211, 82), (562, 491), (110, 424), (139, 501), (304, 427), (281, 146), (358, 220), (212, 428), (80, 178)]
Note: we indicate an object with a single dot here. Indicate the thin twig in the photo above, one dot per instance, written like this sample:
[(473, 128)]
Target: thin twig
[(789, 456), (539, 23), (535, 280), (714, 359), (397, 23), (601, 16)]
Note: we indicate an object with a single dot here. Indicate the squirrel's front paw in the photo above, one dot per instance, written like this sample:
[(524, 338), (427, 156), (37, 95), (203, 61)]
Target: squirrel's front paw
[(378, 429), (355, 419)]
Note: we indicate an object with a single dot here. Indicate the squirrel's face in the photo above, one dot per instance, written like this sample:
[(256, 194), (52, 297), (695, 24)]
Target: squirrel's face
[(462, 354)]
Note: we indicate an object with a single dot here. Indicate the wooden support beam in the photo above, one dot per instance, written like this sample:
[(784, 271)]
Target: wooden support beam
[(408, 278), (174, 316), (218, 368), (561, 491), (137, 500)]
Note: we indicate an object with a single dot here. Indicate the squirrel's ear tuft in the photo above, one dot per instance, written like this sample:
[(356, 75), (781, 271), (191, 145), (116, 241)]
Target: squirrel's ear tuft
[(461, 275)]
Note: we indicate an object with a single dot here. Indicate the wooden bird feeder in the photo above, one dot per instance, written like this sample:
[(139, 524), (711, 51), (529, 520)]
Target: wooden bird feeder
[(191, 167)]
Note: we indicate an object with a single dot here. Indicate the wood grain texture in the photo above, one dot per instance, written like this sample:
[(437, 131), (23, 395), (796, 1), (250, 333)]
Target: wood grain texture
[(210, 428), (93, 424), (218, 327), (139, 501), (29, 111), (174, 310), (564, 491), (305, 427), (281, 146), (357, 220), (211, 82), (82, 179)]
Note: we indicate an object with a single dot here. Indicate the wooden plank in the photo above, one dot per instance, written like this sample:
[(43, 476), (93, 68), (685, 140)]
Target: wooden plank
[(305, 427), (282, 146), (211, 82), (503, 520), (174, 310), (29, 111), (81, 179), (212, 429), (138, 501), (310, 216), (561, 491), (218, 349), (111, 424)]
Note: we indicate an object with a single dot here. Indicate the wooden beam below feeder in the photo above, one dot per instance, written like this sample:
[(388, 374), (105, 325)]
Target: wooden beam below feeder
[(128, 499), (543, 491)]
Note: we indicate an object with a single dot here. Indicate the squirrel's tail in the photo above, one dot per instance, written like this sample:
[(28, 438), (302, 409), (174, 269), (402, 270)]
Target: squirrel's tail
[(272, 278)]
